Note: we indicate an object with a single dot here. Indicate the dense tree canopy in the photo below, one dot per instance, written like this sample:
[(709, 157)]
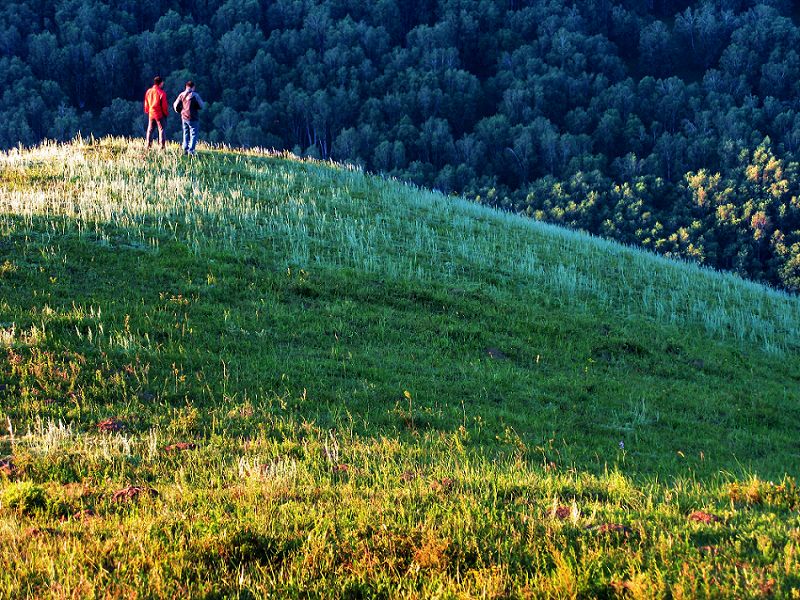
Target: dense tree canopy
[(670, 124)]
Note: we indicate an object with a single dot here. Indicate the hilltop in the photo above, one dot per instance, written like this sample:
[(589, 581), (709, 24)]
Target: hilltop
[(248, 373)]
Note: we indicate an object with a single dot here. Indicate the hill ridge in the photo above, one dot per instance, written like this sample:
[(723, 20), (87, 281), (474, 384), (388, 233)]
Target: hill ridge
[(722, 305)]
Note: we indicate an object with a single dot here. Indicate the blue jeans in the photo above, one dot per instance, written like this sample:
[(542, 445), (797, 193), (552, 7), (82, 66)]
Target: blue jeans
[(189, 135)]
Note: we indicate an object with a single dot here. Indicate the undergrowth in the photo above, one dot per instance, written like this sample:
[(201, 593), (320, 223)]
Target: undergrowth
[(246, 374)]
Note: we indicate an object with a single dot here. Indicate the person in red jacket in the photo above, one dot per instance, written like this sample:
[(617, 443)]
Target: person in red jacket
[(157, 109)]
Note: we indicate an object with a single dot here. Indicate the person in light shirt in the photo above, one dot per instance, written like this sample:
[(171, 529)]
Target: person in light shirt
[(189, 104)]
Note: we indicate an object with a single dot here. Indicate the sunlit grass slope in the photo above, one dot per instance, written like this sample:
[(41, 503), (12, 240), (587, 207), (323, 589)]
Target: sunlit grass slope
[(246, 374)]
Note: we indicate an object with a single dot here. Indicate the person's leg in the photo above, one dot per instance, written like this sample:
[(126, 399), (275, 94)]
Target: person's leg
[(149, 131), (193, 135), (185, 145), (162, 138)]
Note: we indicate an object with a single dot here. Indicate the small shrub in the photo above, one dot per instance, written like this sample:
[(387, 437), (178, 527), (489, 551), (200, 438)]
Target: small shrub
[(185, 422), (25, 497), (249, 546), (7, 466), (785, 495)]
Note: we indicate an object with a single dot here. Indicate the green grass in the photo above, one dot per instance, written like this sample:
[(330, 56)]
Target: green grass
[(391, 393)]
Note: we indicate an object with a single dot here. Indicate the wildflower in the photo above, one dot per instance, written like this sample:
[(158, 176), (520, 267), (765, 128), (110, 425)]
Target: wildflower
[(621, 445)]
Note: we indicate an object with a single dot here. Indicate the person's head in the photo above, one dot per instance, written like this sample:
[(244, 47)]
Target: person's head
[(190, 85), (158, 81)]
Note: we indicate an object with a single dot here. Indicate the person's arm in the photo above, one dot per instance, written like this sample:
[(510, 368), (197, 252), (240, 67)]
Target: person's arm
[(200, 102), (164, 104), (176, 105), (146, 108)]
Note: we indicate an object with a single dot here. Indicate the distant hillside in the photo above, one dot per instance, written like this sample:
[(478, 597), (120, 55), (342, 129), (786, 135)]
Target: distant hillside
[(247, 374), (670, 124)]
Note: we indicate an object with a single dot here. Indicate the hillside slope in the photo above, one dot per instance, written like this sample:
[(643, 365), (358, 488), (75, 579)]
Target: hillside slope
[(337, 385)]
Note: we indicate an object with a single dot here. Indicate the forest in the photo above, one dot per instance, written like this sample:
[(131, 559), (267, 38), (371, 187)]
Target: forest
[(665, 124)]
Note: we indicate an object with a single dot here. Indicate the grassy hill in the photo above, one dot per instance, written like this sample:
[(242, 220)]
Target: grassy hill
[(245, 374)]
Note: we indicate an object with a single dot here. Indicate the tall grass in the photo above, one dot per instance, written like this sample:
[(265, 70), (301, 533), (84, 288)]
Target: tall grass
[(322, 214)]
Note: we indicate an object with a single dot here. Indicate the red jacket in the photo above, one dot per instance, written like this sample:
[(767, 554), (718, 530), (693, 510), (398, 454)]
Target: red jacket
[(155, 103)]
